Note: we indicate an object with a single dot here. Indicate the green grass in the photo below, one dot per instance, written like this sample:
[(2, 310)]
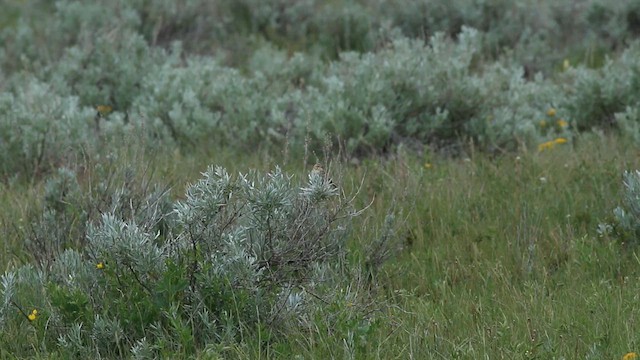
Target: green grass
[(503, 260), (498, 257)]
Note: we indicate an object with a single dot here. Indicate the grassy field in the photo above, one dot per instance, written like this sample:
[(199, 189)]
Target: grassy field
[(496, 257), (480, 197), (500, 259)]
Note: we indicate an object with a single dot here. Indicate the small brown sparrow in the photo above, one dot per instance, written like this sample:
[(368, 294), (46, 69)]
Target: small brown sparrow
[(318, 170)]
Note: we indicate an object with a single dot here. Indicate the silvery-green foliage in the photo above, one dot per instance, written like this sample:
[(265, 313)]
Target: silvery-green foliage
[(107, 335), (109, 72), (512, 119), (23, 290), (203, 101), (404, 91), (604, 229), (8, 282), (380, 249), (598, 94), (626, 217), (270, 201), (50, 233), (137, 201), (628, 122), (430, 81), (538, 34), (610, 22), (233, 261), (67, 209), (72, 271), (41, 36), (143, 350), (295, 300), (59, 223), (127, 246), (130, 192), (74, 343), (174, 99), (259, 225), (275, 64), (425, 18), (530, 28), (427, 92), (237, 246), (62, 189), (319, 188), (207, 201), (632, 194), (38, 128), (270, 195)]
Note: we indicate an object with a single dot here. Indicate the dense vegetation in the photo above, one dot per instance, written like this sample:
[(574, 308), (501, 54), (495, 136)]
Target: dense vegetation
[(479, 196)]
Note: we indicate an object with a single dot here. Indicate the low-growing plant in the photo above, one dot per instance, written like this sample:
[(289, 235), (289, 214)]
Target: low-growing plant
[(599, 94), (39, 129), (253, 251), (625, 223), (205, 102), (109, 72), (74, 198)]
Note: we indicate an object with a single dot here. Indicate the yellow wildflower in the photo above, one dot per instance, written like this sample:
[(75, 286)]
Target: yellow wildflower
[(566, 65), (100, 265), (551, 112), (630, 356), (33, 315), (560, 141), (104, 109), (427, 165), (562, 123), (546, 145), (543, 123)]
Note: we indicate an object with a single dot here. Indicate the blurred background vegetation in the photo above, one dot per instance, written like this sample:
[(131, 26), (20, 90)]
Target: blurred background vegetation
[(366, 76)]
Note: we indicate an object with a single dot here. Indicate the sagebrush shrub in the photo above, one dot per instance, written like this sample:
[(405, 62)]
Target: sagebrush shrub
[(599, 94), (108, 73), (438, 89), (39, 128), (625, 224), (235, 253)]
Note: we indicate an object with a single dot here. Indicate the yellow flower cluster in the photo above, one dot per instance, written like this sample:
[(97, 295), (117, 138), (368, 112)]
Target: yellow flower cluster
[(33, 315), (630, 356), (100, 265), (550, 144), (551, 113)]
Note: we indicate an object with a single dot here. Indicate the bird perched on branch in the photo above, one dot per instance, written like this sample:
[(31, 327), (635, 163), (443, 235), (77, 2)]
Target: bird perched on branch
[(318, 170)]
